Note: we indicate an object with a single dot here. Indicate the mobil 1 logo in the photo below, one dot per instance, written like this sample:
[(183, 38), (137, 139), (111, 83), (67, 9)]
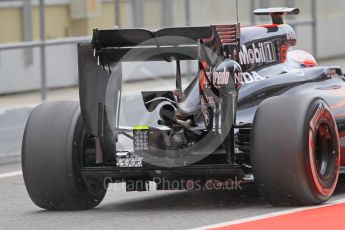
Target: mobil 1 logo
[(258, 53)]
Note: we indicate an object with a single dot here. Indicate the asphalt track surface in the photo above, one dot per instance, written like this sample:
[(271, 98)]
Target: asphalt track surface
[(156, 209), (238, 209)]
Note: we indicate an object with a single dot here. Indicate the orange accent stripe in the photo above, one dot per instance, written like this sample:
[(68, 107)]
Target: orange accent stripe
[(329, 217), (268, 25)]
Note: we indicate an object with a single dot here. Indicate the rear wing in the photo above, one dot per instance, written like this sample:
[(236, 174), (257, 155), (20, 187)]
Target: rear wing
[(180, 43), (109, 48), (277, 13)]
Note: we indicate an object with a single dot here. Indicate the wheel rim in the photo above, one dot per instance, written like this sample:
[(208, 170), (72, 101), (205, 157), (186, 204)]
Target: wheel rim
[(88, 150), (324, 151)]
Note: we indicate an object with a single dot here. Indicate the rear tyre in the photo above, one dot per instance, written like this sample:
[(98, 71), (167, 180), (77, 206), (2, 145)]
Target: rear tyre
[(295, 150), (51, 156)]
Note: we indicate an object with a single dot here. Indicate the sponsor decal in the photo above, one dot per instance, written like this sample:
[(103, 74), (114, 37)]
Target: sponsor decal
[(249, 77), (217, 78), (222, 78), (263, 52), (237, 70)]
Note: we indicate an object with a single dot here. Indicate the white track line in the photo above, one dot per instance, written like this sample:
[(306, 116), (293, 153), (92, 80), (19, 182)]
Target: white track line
[(10, 174), (269, 215)]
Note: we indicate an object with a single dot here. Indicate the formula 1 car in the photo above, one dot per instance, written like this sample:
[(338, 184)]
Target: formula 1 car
[(257, 111)]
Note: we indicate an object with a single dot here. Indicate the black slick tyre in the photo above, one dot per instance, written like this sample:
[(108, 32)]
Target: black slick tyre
[(295, 150), (51, 159)]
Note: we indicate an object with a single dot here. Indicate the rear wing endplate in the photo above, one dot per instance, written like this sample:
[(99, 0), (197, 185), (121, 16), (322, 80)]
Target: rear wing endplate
[(277, 13)]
